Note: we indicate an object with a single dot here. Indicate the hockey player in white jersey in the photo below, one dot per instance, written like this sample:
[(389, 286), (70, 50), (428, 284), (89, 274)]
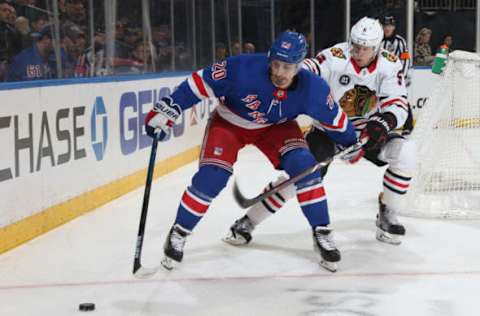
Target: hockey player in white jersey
[(368, 83)]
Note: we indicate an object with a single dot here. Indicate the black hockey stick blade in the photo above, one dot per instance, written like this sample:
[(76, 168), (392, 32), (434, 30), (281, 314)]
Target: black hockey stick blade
[(145, 273), (138, 270), (245, 202)]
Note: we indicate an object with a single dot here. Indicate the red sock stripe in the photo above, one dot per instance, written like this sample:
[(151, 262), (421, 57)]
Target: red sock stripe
[(310, 195), (396, 183), (193, 203), (271, 200)]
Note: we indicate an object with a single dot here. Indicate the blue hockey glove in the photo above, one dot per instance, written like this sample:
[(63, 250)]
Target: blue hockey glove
[(162, 117)]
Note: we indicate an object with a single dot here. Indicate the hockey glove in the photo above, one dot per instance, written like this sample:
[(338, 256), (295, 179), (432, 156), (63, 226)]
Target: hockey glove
[(377, 129), (353, 156), (162, 117)]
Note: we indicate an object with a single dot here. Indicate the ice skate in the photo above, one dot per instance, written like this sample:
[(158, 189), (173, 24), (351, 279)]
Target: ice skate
[(324, 245), (389, 228), (240, 232), (173, 248)]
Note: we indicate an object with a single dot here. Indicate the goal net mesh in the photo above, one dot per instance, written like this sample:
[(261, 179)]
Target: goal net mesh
[(446, 183)]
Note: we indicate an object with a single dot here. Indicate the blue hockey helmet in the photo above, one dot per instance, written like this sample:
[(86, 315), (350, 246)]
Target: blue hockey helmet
[(289, 47)]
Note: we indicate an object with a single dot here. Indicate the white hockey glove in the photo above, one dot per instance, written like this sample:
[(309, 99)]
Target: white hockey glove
[(353, 156), (162, 117)]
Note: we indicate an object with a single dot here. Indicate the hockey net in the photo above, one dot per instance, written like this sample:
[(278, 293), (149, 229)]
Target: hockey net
[(447, 134)]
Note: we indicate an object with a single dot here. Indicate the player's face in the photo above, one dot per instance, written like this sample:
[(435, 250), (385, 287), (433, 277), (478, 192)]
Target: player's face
[(282, 74), (363, 55)]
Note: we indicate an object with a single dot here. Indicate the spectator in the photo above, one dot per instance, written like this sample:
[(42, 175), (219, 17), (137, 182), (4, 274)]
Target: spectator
[(162, 42), (22, 25), (122, 50), (236, 49), (395, 44), (95, 59), (74, 60), (10, 38), (131, 37), (141, 58), (11, 16), (423, 51), (447, 41), (39, 22), (220, 51), (75, 11), (248, 48), (183, 60), (33, 63)]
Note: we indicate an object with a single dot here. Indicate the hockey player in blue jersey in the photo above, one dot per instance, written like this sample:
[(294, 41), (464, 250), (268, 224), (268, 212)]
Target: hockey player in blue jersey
[(260, 96)]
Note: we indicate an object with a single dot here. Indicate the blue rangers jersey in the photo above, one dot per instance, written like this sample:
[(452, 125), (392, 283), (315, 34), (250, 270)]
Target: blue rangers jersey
[(29, 65), (249, 99)]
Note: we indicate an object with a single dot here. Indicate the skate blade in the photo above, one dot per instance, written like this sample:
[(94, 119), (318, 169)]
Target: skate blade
[(330, 266), (388, 238), (234, 240), (168, 263)]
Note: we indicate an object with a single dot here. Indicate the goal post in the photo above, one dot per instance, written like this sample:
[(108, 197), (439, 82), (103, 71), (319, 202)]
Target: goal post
[(446, 183)]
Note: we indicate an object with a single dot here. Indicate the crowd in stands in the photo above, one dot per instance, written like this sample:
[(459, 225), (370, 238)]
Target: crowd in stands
[(31, 49)]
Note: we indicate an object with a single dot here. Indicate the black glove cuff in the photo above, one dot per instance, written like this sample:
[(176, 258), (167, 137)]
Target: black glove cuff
[(390, 118)]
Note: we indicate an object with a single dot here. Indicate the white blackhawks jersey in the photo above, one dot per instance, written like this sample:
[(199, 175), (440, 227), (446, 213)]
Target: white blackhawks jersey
[(362, 92)]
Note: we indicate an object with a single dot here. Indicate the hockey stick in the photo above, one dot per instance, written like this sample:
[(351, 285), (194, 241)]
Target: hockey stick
[(245, 202), (140, 271)]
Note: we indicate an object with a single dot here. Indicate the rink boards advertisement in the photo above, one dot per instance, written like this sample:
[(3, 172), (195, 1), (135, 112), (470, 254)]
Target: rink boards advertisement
[(423, 83), (67, 149)]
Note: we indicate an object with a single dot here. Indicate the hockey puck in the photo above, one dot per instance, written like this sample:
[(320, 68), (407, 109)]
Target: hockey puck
[(86, 307)]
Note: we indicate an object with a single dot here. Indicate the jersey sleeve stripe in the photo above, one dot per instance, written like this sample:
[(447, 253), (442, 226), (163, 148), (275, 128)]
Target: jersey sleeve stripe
[(397, 101), (312, 65), (199, 87), (339, 123)]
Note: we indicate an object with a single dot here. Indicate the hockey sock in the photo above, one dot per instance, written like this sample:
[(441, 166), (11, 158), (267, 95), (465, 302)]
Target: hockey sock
[(395, 185), (313, 201), (207, 183), (310, 191), (261, 211)]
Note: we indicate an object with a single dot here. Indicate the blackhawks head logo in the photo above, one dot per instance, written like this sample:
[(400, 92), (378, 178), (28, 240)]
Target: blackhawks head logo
[(358, 101), (337, 52), (389, 56)]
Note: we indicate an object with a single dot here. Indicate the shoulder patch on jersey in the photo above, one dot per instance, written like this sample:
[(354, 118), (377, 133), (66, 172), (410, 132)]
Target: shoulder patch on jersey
[(389, 56), (337, 52)]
